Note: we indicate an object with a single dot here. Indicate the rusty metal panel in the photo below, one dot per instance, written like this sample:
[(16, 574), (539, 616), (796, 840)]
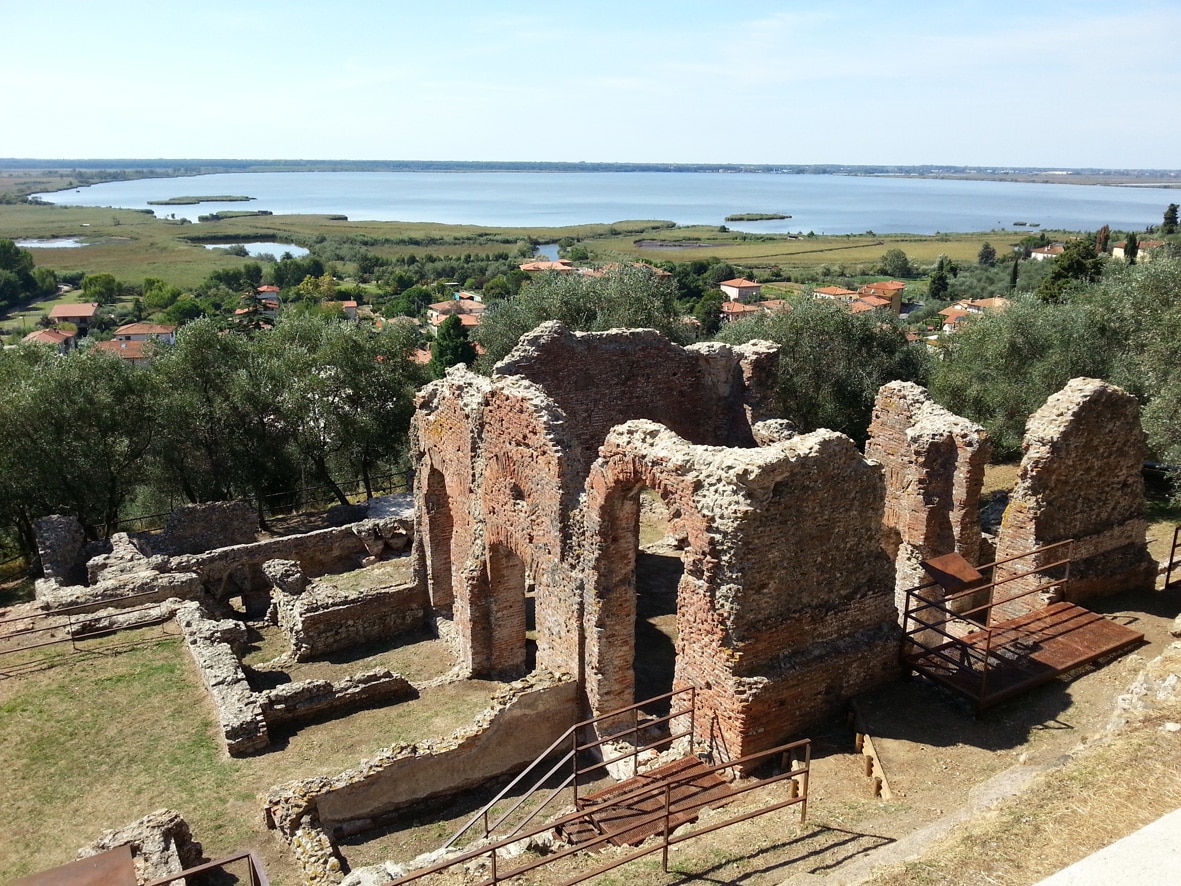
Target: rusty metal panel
[(111, 868)]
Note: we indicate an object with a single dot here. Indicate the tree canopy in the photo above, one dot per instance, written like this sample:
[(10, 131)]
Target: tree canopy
[(623, 297), (832, 363)]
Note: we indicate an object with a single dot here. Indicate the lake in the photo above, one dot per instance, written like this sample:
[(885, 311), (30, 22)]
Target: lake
[(825, 204)]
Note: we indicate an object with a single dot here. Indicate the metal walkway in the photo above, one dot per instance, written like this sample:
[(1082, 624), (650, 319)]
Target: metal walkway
[(987, 660)]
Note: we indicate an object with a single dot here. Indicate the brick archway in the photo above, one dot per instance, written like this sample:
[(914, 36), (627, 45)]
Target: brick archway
[(613, 509)]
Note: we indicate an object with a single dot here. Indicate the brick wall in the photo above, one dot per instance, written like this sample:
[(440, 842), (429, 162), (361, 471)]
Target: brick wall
[(1081, 479)]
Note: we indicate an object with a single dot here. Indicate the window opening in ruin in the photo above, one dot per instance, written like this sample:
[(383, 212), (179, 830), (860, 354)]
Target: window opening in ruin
[(440, 527), (508, 607), (658, 571)]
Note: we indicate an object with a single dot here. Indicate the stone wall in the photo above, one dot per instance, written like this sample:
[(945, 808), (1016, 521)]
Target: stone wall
[(934, 469), (1080, 479), (194, 529), (160, 842), (135, 564), (245, 715), (524, 720), (529, 485), (319, 617), (785, 606)]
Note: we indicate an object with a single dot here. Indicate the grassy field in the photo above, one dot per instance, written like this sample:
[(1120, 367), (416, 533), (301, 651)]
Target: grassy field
[(135, 245), (96, 740)]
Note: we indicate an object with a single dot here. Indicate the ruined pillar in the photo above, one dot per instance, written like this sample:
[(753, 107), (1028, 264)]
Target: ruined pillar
[(1080, 479), (934, 469)]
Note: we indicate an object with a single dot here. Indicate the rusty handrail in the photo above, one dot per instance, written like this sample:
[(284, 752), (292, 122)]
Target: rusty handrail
[(258, 874), (570, 734), (1172, 557), (966, 650), (493, 848)]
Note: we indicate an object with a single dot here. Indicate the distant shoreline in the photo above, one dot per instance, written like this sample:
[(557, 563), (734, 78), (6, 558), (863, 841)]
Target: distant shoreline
[(95, 171)]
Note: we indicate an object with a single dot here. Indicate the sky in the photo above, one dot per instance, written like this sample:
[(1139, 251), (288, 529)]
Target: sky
[(958, 82)]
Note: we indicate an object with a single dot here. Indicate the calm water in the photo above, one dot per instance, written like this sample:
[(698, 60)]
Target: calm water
[(826, 204), (256, 249)]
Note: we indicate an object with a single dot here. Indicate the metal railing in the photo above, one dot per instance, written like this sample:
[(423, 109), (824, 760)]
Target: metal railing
[(798, 795), (1173, 565), (46, 624), (255, 872), (570, 757), (964, 655)]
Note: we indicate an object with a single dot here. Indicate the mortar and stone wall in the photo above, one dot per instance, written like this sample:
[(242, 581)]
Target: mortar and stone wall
[(144, 563), (934, 471), (245, 715), (524, 719), (1080, 479), (319, 618)]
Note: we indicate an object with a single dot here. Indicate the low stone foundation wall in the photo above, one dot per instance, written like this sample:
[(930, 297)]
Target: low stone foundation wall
[(524, 719), (320, 618), (246, 716)]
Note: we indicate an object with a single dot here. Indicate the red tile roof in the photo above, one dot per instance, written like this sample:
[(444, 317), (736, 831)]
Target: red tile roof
[(739, 283), (145, 329), (834, 291), (85, 311), (53, 337), (128, 350)]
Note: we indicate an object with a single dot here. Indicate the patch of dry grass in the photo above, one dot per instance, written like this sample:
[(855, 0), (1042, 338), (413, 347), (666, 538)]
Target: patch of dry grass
[(98, 740), (1107, 791)]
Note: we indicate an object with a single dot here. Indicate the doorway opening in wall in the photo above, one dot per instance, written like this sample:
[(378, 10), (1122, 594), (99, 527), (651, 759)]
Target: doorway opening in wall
[(510, 601), (658, 571)]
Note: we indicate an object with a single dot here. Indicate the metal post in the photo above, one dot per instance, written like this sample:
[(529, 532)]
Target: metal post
[(664, 849)]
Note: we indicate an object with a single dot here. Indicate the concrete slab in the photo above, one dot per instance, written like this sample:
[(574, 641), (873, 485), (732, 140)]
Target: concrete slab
[(1149, 857)]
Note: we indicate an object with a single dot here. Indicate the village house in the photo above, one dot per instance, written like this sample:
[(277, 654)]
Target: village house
[(145, 332), (81, 315), (891, 290), (131, 351), (1144, 250), (1045, 253), (466, 305), (736, 310), (740, 289), (955, 315), (561, 266), (835, 293), (55, 338)]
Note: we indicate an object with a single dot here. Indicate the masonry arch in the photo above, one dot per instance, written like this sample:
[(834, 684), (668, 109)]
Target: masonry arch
[(617, 488), (493, 616)]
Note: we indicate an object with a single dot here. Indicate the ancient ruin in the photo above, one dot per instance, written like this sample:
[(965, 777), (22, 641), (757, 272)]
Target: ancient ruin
[(529, 485), (523, 534), (934, 470)]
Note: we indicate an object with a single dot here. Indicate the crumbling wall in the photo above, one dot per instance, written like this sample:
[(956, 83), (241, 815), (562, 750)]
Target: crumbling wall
[(600, 379), (161, 843), (1080, 479), (193, 529), (246, 716), (934, 471), (785, 608), (319, 618), (525, 718), (59, 545)]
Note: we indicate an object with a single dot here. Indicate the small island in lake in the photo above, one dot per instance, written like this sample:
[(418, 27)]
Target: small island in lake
[(190, 201), (756, 216)]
